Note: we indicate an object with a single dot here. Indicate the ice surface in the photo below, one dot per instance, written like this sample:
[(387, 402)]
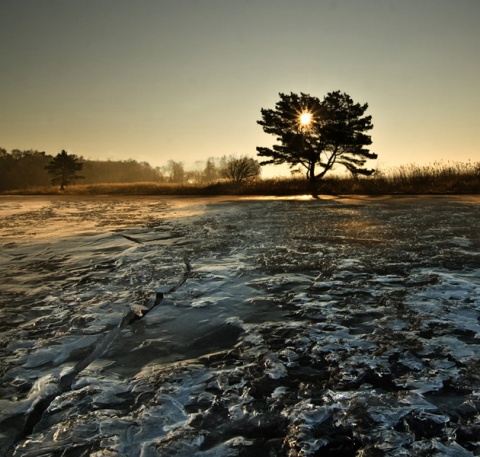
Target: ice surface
[(334, 325)]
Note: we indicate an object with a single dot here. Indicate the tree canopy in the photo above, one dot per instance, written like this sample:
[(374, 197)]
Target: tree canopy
[(316, 134), (64, 169)]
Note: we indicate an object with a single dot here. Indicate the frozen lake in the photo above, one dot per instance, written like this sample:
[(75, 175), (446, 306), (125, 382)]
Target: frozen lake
[(337, 326)]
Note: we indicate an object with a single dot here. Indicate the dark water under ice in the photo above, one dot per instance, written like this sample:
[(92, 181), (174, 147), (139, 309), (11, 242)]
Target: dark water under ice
[(338, 326)]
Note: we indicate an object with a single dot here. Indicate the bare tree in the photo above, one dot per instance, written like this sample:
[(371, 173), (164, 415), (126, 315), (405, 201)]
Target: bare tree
[(175, 171), (241, 169)]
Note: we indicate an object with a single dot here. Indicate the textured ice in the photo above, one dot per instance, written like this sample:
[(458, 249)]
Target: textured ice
[(308, 327)]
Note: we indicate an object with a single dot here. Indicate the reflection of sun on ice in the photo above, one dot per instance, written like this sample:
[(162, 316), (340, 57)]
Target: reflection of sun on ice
[(305, 118)]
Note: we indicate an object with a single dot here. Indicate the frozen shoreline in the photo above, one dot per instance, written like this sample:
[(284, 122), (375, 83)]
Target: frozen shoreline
[(297, 311), (52, 212)]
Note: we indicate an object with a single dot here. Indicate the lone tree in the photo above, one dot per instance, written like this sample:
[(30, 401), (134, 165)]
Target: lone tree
[(241, 169), (64, 169), (316, 134)]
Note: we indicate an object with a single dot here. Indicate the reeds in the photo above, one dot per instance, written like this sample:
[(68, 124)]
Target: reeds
[(437, 178)]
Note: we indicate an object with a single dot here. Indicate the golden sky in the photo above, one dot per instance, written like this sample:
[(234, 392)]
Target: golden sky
[(154, 80)]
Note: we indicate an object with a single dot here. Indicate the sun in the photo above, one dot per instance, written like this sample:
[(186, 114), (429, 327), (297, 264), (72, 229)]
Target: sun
[(305, 118)]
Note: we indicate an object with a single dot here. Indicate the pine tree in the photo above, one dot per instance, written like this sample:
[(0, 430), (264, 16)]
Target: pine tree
[(316, 134), (64, 169)]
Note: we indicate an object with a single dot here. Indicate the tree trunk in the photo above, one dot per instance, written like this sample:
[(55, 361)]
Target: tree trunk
[(63, 183), (312, 181), (313, 187)]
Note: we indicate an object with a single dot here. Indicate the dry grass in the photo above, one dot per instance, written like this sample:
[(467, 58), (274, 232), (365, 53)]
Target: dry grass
[(438, 178)]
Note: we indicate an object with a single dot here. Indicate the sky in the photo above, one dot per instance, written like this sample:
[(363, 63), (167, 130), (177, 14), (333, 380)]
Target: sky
[(184, 80)]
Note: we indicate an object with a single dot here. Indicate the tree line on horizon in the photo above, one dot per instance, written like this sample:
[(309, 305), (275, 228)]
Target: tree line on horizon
[(24, 169), (28, 174)]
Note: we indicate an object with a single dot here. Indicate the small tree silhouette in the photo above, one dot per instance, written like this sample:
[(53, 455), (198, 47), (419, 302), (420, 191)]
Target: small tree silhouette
[(241, 169), (64, 167)]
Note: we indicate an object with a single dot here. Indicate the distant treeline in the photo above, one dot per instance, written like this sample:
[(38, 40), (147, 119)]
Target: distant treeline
[(22, 170)]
